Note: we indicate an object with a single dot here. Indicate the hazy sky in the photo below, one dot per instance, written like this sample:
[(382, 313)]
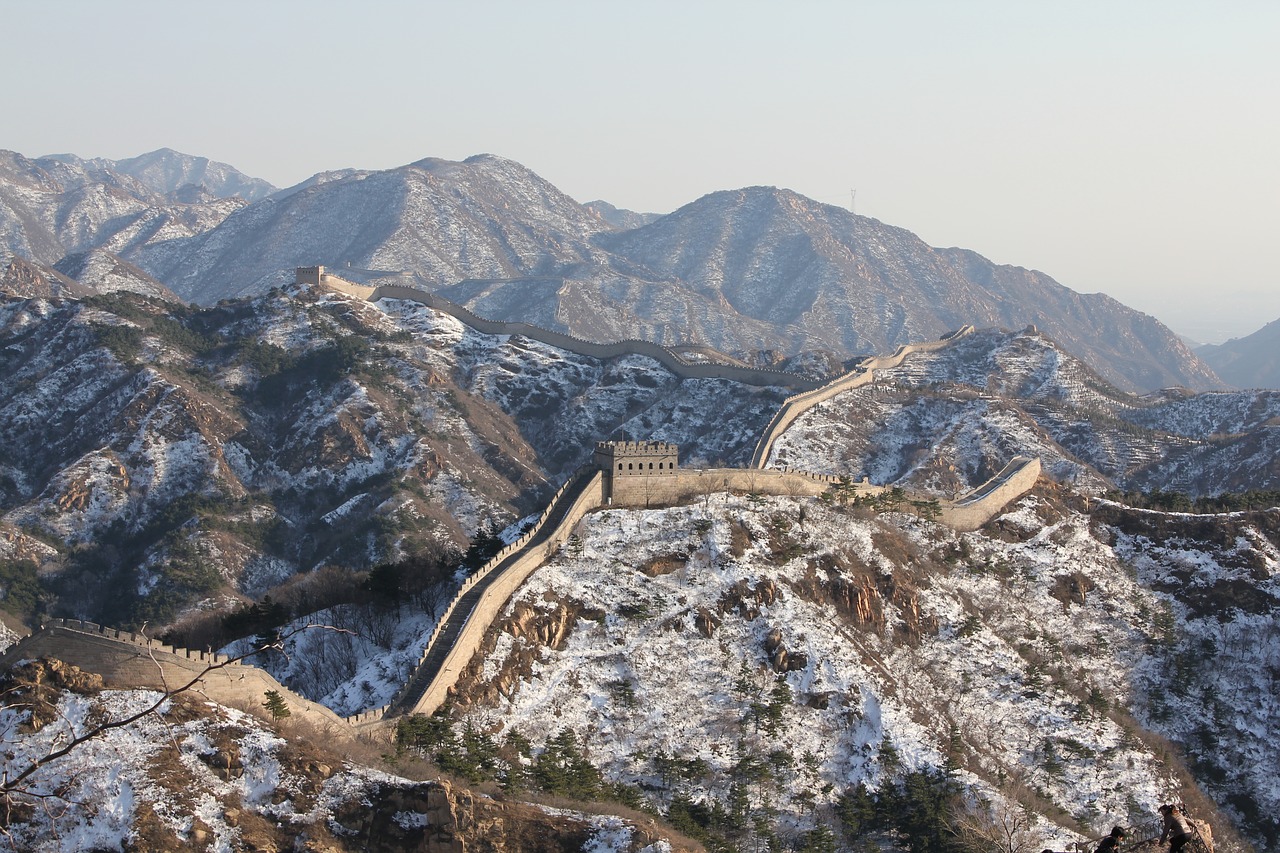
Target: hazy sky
[(1126, 147)]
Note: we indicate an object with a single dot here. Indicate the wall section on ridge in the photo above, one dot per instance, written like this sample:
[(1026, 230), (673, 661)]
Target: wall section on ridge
[(861, 374), (757, 376), (129, 661), (500, 591)]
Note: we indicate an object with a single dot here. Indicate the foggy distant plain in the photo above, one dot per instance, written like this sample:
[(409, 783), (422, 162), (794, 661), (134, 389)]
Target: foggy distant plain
[(1123, 148)]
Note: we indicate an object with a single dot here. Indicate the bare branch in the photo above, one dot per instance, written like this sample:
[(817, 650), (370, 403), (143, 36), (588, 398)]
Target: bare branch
[(11, 786)]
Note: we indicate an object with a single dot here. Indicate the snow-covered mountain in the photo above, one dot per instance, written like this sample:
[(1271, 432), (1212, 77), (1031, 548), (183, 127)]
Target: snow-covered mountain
[(752, 668), (743, 271), (166, 171), (302, 428), (104, 272), (483, 218), (152, 455), (620, 218), (946, 419), (829, 657), (51, 208), (198, 776)]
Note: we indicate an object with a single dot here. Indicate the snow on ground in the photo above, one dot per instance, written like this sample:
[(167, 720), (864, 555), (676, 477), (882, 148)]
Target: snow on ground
[(1027, 651), (192, 774), (351, 657)]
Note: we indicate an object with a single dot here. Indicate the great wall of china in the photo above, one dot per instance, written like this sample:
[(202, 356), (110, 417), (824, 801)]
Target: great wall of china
[(666, 356), (129, 659)]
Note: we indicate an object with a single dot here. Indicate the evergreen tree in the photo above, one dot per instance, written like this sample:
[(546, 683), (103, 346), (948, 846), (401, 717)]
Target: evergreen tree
[(384, 583), (856, 811), (276, 705), (563, 768), (819, 840)]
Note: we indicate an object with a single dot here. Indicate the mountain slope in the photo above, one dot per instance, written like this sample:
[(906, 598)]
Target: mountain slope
[(107, 273), (852, 284), (200, 776), (743, 271), (50, 208), (482, 218), (160, 454), (166, 171), (829, 654), (1249, 362), (946, 420)]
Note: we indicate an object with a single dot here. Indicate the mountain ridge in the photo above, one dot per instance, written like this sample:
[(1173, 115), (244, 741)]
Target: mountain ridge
[(744, 271), (1248, 362)]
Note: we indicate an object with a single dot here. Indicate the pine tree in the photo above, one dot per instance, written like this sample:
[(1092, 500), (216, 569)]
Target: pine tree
[(276, 705)]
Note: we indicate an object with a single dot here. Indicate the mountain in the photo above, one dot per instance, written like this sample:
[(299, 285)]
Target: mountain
[(751, 667), (838, 281), (217, 778), (278, 433), (51, 208), (107, 273), (1249, 362), (24, 279), (947, 419), (844, 669), (166, 171), (747, 270), (621, 219), (152, 454), (744, 271), (444, 221)]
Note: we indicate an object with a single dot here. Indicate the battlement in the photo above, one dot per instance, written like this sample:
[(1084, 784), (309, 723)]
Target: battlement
[(620, 449), (635, 458)]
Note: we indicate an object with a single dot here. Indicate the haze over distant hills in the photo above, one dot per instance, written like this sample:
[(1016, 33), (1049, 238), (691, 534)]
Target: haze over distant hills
[(166, 171), (743, 270), (1249, 362)]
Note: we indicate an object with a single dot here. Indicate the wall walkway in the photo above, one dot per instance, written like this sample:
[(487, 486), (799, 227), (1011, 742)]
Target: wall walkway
[(477, 604)]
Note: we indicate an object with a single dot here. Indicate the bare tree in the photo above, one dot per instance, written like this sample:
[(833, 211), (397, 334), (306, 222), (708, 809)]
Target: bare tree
[(1006, 826)]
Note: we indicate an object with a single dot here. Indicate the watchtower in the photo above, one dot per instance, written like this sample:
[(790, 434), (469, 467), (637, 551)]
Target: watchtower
[(636, 472), (308, 275)]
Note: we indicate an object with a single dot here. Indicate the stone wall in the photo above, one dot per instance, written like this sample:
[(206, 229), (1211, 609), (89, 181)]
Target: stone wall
[(496, 596), (861, 374), (975, 509), (758, 376), (688, 483), (128, 660)]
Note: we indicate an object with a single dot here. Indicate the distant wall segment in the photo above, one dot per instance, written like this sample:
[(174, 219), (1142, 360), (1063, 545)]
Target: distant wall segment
[(757, 376), (861, 374)]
